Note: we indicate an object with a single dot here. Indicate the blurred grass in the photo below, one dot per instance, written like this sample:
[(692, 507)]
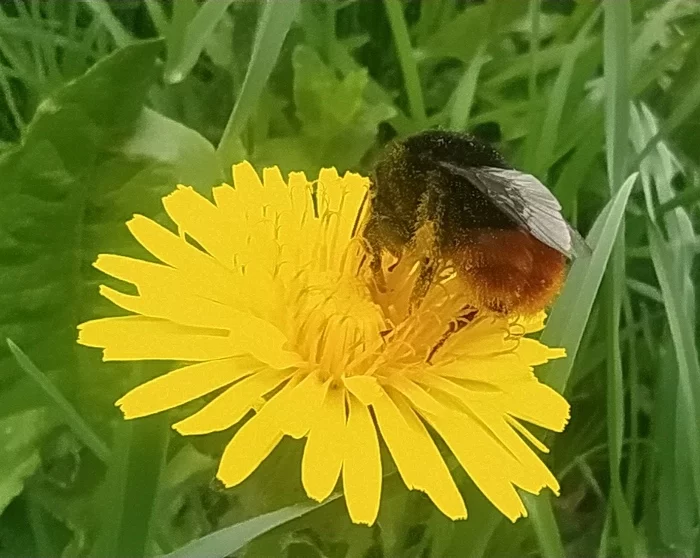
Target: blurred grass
[(582, 94)]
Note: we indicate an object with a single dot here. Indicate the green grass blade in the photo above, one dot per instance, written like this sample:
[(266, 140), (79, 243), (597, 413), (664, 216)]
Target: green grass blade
[(226, 541), (10, 99), (463, 97), (71, 417), (684, 199), (407, 61), (471, 538), (103, 12), (542, 516), (158, 17), (37, 54), (680, 113), (557, 98), (273, 26), (195, 37), (133, 478), (533, 100), (682, 334), (565, 328), (616, 62), (616, 41), (569, 316)]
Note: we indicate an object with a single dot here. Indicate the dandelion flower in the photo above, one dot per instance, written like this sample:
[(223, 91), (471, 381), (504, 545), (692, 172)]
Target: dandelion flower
[(266, 296)]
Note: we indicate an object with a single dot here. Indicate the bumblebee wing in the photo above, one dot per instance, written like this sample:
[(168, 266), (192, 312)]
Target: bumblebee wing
[(527, 202), (579, 246)]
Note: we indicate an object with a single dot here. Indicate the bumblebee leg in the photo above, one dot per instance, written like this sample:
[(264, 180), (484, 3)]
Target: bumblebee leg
[(373, 237), (454, 326), (426, 242), (426, 274)]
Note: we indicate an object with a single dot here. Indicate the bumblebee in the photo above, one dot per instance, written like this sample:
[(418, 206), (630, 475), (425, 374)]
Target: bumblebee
[(500, 228)]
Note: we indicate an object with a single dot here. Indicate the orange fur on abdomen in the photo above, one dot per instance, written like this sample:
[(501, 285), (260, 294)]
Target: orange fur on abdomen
[(509, 270)]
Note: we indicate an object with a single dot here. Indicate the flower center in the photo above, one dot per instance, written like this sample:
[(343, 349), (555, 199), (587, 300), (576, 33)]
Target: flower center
[(335, 322)]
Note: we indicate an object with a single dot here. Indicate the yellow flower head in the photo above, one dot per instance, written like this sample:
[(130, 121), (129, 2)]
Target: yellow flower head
[(267, 293)]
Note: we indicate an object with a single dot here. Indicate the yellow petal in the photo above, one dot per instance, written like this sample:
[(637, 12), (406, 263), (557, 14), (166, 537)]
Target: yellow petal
[(483, 460), (486, 446), (157, 302), (496, 370), (457, 391), (228, 203), (365, 388), (296, 408), (323, 453), (183, 385), (529, 472), (276, 195), (532, 324), (362, 466), (487, 461), (232, 405), (329, 194), (251, 444), (537, 404), (525, 433), (417, 458), (139, 272), (529, 400), (532, 352), (517, 462), (169, 280), (248, 186), (202, 220), (171, 249), (141, 338), (339, 200), (262, 340)]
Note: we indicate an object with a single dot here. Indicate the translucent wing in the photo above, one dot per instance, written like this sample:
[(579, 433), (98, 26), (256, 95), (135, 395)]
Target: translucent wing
[(527, 202)]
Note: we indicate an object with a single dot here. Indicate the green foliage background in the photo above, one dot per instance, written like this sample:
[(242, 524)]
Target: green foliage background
[(107, 105)]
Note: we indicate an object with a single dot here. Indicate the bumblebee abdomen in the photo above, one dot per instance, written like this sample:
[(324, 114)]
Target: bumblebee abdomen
[(509, 271)]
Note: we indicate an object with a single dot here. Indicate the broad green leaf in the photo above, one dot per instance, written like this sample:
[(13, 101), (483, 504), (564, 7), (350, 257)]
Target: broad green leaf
[(338, 123), (91, 158), (47, 181), (65, 410), (20, 440), (473, 22)]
